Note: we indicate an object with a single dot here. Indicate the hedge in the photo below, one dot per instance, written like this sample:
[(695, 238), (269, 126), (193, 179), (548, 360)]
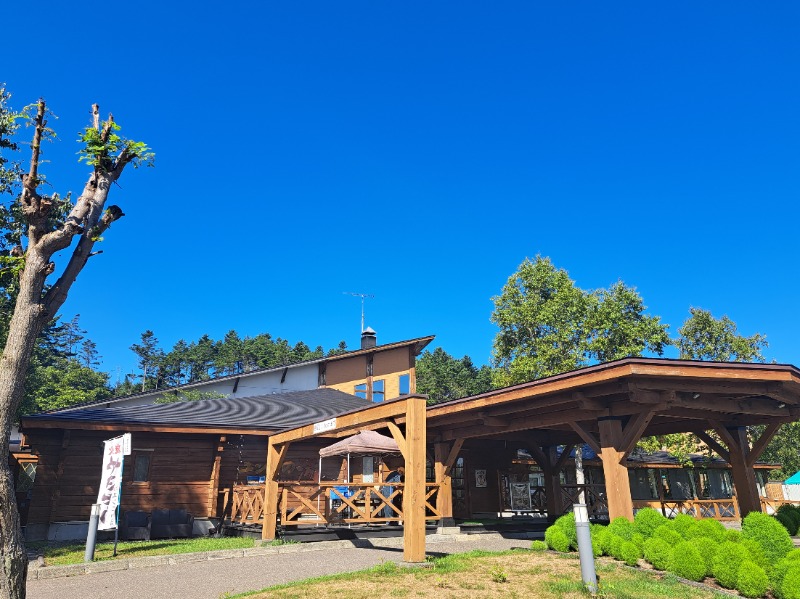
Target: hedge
[(707, 548), (727, 561), (622, 527), (751, 580), (658, 552), (666, 533), (647, 520), (708, 527), (687, 562), (769, 533), (556, 539)]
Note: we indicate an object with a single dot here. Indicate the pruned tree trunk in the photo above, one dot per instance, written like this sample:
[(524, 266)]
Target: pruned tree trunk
[(35, 306)]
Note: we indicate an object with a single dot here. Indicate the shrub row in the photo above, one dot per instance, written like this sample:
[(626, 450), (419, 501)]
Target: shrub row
[(754, 560)]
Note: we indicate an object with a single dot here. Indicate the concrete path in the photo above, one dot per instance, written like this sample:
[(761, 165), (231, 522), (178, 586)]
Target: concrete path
[(212, 579)]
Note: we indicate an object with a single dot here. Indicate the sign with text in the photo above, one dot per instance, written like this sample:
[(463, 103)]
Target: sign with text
[(111, 481), (325, 425)]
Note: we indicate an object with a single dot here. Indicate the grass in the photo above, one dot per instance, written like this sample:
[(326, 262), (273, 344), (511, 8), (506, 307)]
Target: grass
[(62, 554), (488, 574)]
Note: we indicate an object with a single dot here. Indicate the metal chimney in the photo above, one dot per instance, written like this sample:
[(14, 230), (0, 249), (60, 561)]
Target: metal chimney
[(369, 338)]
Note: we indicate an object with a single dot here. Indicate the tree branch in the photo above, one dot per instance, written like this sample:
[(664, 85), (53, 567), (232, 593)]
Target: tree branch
[(30, 181)]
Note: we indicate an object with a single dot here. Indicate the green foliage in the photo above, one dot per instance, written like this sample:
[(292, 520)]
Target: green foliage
[(647, 520), (789, 516), (658, 552), (751, 581), (707, 548), (556, 539), (538, 546), (756, 553), (789, 587), (621, 527), (784, 449), (630, 553), (102, 153), (687, 562), (666, 532), (638, 540), (781, 569), (548, 325), (615, 546), (443, 377), (733, 535), (727, 561), (703, 337), (787, 523), (498, 574), (600, 540), (769, 534), (684, 525), (567, 524), (188, 395), (709, 528)]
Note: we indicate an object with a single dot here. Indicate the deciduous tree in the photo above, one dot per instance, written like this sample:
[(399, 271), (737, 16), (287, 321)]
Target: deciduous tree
[(43, 232), (703, 337), (443, 377)]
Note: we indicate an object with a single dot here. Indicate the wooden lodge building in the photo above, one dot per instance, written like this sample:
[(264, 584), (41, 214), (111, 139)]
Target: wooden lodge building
[(506, 450)]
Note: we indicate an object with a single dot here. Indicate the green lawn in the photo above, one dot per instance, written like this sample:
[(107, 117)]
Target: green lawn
[(61, 554)]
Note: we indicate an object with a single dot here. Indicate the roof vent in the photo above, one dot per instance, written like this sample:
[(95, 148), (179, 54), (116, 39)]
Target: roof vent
[(369, 338)]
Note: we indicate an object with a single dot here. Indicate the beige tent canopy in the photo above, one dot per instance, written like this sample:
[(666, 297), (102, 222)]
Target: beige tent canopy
[(364, 442)]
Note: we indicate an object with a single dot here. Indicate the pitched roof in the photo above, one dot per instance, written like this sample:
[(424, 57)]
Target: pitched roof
[(264, 412), (419, 344)]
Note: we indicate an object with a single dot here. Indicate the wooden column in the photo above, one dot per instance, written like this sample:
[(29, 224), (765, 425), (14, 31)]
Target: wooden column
[(414, 487), (444, 455), (275, 457), (612, 452), (213, 491), (744, 477)]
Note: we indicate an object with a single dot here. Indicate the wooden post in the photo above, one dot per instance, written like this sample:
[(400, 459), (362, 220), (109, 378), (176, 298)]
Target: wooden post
[(214, 483), (618, 486), (744, 477), (414, 487), (552, 483), (444, 457), (275, 456)]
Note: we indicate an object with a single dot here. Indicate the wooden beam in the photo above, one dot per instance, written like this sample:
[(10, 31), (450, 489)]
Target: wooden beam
[(519, 424), (414, 486), (540, 456), (453, 455), (618, 486), (397, 434), (559, 465), (444, 497), (633, 431), (275, 456), (724, 434), (214, 482), (744, 477), (709, 440), (761, 444), (587, 436)]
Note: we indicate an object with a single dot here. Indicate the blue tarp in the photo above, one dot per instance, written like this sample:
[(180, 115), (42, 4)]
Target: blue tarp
[(794, 479)]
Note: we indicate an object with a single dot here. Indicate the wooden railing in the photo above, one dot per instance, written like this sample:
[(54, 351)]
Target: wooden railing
[(594, 496), (719, 509), (304, 502), (770, 506)]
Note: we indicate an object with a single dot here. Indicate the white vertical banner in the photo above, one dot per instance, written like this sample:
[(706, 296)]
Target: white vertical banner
[(111, 482)]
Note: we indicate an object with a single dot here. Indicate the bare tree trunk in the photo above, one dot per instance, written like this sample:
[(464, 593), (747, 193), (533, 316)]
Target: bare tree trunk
[(34, 308)]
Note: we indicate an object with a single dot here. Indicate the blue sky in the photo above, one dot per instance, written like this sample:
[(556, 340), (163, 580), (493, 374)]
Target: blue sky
[(419, 152)]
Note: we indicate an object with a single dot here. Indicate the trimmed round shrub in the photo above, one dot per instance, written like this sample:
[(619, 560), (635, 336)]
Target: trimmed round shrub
[(708, 527), (777, 574), (647, 520), (615, 547), (538, 546), (556, 539), (666, 533), (726, 563), (630, 553), (707, 548), (752, 580), (622, 527), (638, 540), (731, 534), (793, 512), (789, 585), (658, 552), (756, 554), (687, 562), (567, 524), (683, 525), (769, 533), (600, 540), (788, 522)]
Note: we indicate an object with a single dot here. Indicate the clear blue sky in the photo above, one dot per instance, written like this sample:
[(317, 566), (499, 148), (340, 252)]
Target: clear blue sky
[(420, 151)]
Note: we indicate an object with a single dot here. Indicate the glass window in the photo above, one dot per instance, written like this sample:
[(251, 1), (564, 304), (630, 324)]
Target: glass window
[(378, 391), (141, 468), (405, 384), (361, 391)]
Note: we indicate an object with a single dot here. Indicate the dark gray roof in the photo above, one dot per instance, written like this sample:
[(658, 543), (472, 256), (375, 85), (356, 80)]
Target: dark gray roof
[(266, 412)]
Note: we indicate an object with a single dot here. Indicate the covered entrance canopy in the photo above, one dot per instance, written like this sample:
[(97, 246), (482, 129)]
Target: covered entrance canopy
[(609, 407), (365, 442)]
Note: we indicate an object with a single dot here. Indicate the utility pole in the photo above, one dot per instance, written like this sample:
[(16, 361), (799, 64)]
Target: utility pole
[(363, 296)]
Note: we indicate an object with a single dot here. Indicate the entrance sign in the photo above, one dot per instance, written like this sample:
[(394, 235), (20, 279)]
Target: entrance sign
[(325, 425), (520, 496), (111, 482)]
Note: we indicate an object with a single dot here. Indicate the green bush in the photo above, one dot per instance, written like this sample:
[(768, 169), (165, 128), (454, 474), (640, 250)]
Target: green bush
[(683, 525), (647, 520), (538, 546), (658, 552), (731, 534), (769, 533), (622, 527), (788, 522), (687, 562), (790, 586), (638, 540), (777, 574), (556, 539), (708, 527), (793, 512), (666, 533), (756, 554), (707, 548), (751, 580), (726, 563), (615, 546), (600, 540), (630, 553), (567, 524)]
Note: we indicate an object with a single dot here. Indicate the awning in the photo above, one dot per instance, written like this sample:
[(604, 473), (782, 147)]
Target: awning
[(365, 442)]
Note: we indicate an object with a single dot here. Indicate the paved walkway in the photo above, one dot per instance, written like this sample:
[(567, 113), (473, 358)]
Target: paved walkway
[(212, 578)]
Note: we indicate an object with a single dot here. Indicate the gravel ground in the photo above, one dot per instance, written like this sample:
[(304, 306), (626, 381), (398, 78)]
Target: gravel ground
[(213, 579)]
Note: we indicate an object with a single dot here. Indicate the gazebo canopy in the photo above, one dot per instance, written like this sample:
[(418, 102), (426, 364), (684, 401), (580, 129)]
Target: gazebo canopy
[(365, 442)]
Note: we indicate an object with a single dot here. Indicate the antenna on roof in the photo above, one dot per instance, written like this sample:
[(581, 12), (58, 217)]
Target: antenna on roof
[(362, 296)]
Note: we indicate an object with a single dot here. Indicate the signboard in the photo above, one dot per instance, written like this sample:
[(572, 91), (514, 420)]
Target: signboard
[(126, 444), (111, 482), (325, 425), (520, 496)]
